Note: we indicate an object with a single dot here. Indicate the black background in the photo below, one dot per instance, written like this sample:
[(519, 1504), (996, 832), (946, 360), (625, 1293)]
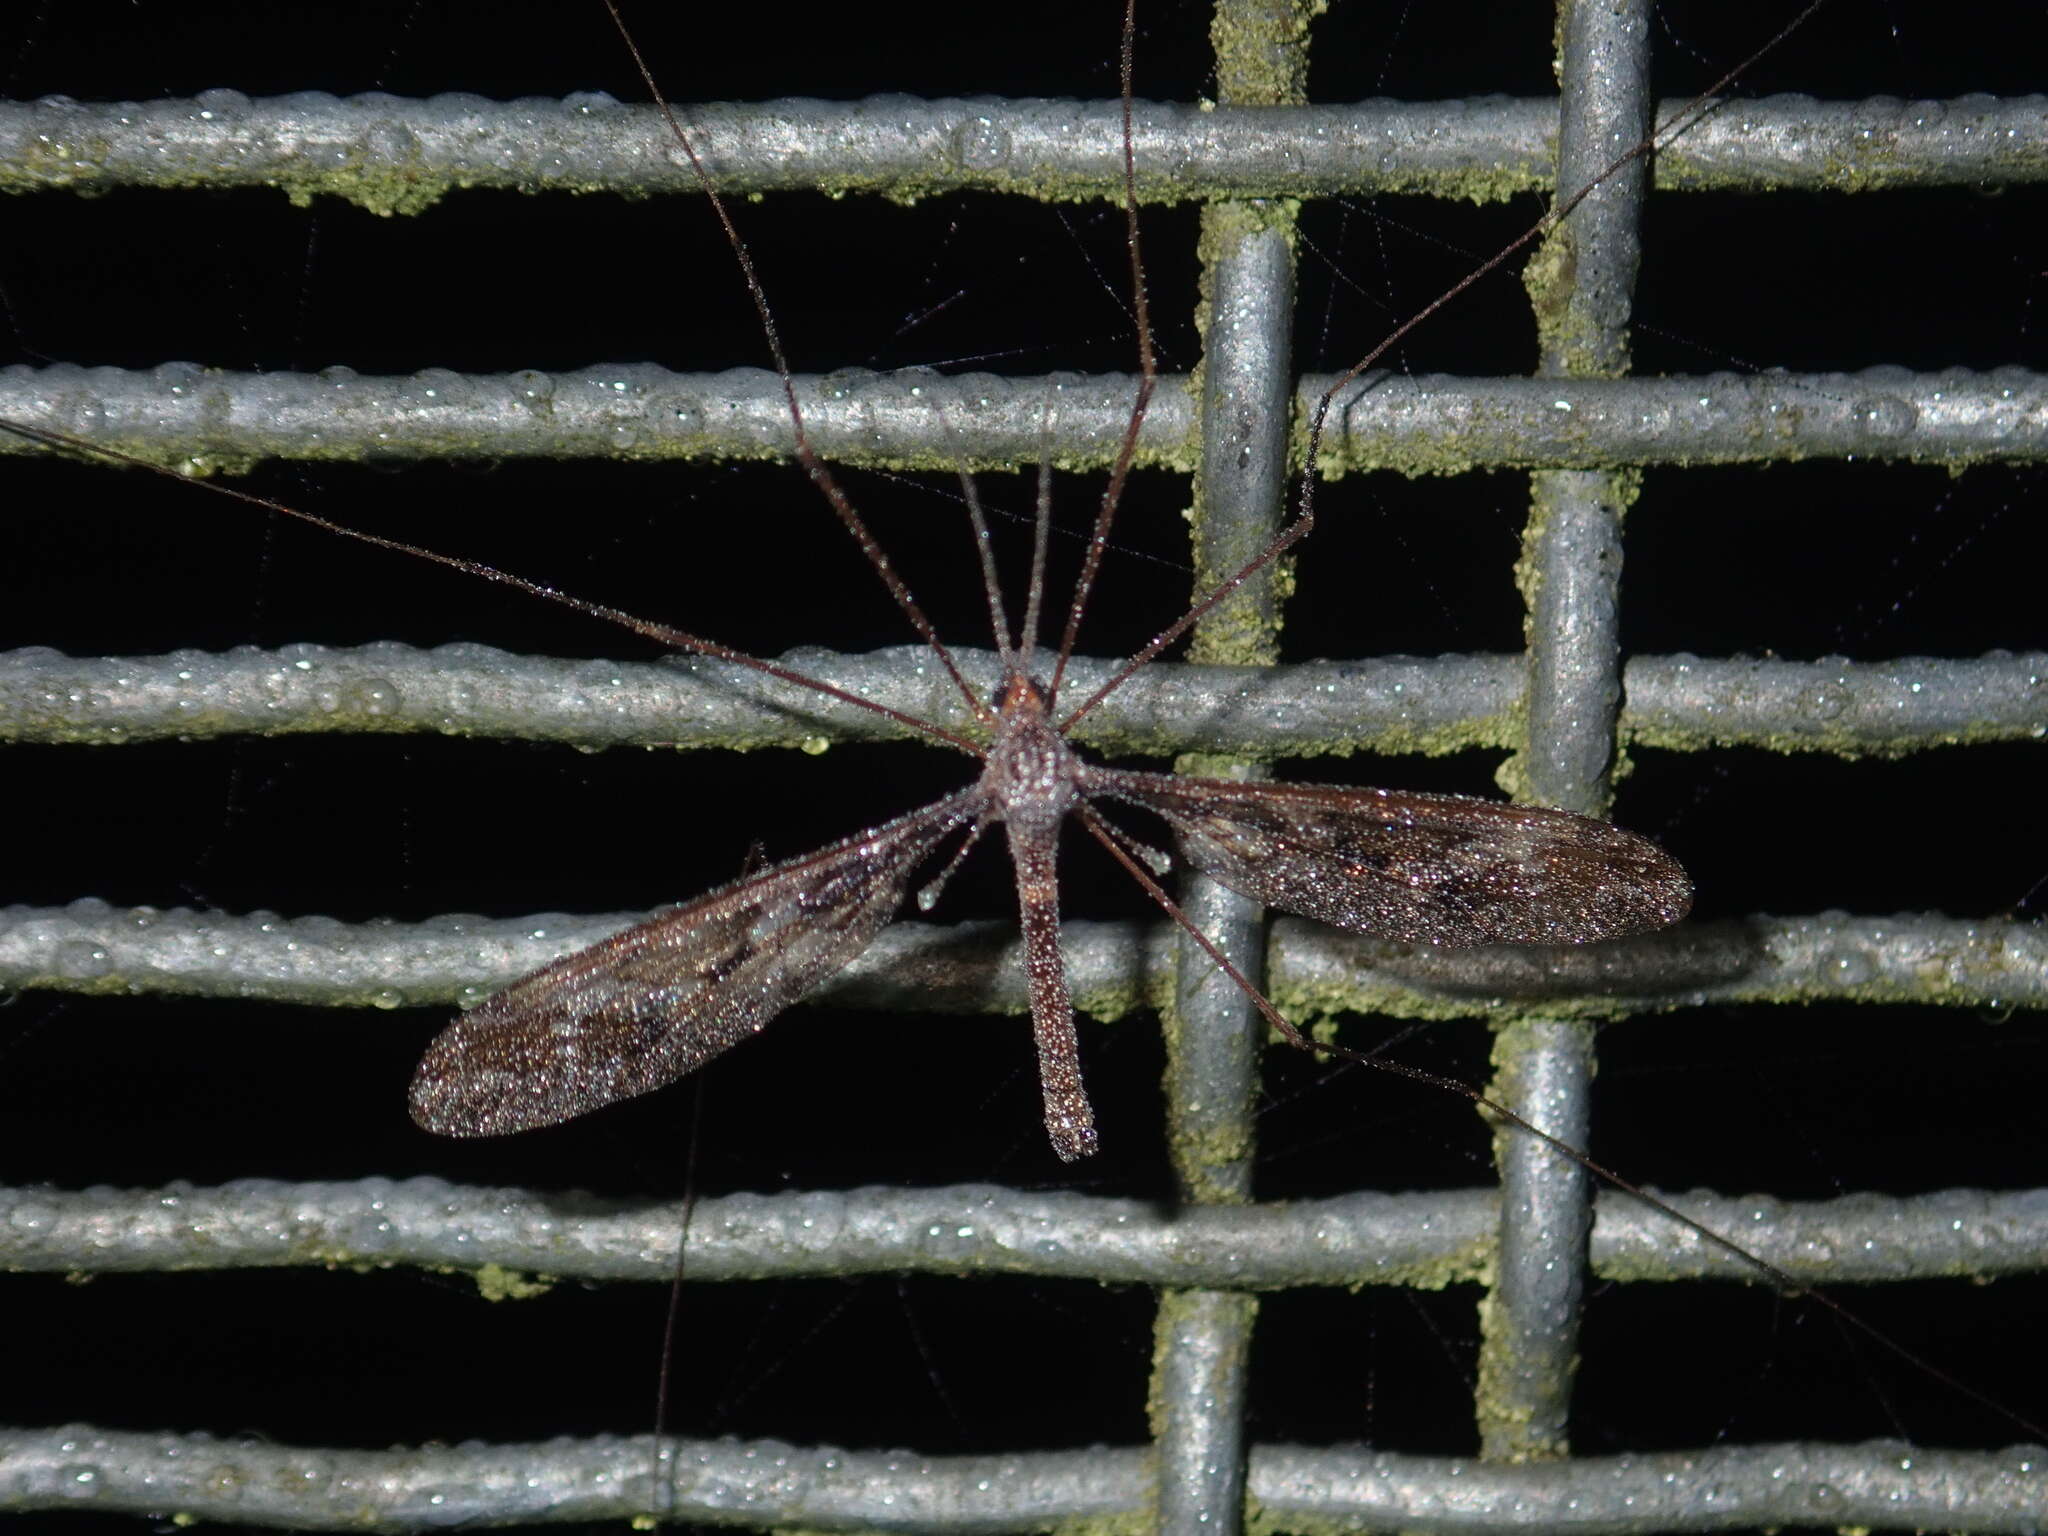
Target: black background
[(1864, 560)]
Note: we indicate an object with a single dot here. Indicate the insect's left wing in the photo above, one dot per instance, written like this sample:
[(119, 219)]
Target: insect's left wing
[(1431, 869), (640, 1009)]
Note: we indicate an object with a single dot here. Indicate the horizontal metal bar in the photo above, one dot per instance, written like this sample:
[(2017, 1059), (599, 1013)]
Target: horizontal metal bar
[(1439, 424), (471, 690), (771, 1484), (1856, 708), (1388, 705), (1911, 958), (1426, 1239), (1879, 1486), (202, 421), (1317, 972), (393, 155)]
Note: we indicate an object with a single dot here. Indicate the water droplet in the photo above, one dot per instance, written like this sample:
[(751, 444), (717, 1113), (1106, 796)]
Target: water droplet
[(1886, 415), (81, 960), (31, 1216), (374, 697), (1828, 702), (980, 144)]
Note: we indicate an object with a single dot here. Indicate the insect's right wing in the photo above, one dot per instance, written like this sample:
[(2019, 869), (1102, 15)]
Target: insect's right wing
[(640, 1009), (1431, 869)]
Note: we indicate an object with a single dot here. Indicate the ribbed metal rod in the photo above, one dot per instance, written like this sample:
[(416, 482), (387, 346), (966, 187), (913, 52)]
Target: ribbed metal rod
[(1432, 1238), (93, 948), (1424, 424), (399, 156), (774, 1485), (1202, 1338), (1582, 282), (1309, 709)]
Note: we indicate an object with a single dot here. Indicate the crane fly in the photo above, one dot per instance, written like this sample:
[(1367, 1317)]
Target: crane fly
[(638, 1010)]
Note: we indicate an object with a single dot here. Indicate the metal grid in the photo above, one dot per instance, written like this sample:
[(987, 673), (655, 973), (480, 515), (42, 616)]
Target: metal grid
[(1206, 1316)]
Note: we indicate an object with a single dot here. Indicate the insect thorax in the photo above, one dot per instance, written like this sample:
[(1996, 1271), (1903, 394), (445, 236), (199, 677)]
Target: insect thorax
[(1032, 775)]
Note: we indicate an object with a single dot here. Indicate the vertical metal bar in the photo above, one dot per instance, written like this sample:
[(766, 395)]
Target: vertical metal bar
[(1581, 283), (1203, 1338)]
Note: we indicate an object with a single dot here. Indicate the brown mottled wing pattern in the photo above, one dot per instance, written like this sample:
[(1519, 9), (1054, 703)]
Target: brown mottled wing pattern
[(638, 1010), (1430, 869)]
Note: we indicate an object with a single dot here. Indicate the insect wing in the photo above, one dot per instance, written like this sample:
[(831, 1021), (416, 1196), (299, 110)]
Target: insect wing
[(1431, 869), (640, 1009)]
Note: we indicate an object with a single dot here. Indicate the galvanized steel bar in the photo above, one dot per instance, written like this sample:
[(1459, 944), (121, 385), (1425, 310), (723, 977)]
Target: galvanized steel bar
[(771, 1484), (1306, 709), (1350, 1240), (1876, 1487), (92, 947), (203, 421), (1202, 1339), (400, 156), (1582, 280)]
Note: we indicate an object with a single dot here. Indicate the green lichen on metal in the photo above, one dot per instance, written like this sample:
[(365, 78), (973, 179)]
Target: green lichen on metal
[(182, 462), (1137, 1523), (1260, 1521), (1204, 1143), (1472, 1264), (1501, 1412), (494, 1282), (1511, 774), (1391, 739), (1317, 1006), (1211, 765), (374, 181), (1849, 744), (388, 188), (47, 162), (1442, 451), (111, 984), (1262, 51), (1108, 1003), (1567, 332), (1241, 634)]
